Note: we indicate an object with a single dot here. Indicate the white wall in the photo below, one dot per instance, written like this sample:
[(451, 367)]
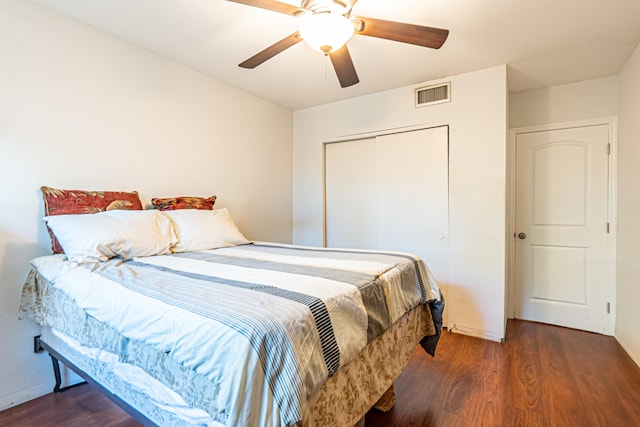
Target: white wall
[(477, 119), (589, 99), (81, 109), (628, 265)]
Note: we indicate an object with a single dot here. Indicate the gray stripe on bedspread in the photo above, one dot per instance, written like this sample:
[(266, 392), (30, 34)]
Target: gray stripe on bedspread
[(359, 255), (370, 287), (261, 329), (318, 309)]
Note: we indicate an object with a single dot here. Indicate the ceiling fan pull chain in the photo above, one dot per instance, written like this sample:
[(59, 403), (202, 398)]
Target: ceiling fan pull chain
[(326, 67)]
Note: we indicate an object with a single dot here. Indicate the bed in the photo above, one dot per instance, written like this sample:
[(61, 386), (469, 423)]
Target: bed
[(185, 322)]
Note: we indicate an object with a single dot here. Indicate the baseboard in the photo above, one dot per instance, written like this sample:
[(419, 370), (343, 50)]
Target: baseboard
[(25, 395), (632, 352), (478, 333)]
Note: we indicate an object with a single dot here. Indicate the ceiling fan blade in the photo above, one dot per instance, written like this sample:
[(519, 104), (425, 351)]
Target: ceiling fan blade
[(401, 32), (345, 70), (271, 51), (272, 5)]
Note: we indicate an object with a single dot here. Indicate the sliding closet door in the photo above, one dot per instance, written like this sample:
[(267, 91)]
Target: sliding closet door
[(391, 193), (350, 194), (413, 192)]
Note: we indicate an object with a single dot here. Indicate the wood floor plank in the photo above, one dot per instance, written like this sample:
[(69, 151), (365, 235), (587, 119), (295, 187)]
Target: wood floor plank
[(81, 406), (527, 404), (541, 375), (546, 376)]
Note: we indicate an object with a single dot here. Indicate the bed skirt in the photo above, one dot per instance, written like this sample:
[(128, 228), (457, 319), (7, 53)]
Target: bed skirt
[(342, 401)]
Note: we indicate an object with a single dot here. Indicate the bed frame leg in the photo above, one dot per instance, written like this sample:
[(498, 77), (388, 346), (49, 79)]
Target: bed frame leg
[(56, 373)]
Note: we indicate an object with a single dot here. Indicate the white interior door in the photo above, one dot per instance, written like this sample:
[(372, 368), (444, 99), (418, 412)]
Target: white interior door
[(563, 250), (391, 193)]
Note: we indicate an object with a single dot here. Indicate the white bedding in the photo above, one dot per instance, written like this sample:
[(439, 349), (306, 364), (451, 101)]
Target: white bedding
[(175, 317)]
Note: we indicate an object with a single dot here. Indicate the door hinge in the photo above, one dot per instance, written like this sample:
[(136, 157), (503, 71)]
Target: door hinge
[(609, 149), (608, 308), (608, 226)]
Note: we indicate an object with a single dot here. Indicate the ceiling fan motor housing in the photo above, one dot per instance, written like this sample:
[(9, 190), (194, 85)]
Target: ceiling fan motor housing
[(334, 6)]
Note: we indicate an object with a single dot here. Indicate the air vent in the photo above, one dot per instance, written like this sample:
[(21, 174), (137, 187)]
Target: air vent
[(430, 95)]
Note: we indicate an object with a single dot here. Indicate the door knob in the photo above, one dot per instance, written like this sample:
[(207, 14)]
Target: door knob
[(522, 236)]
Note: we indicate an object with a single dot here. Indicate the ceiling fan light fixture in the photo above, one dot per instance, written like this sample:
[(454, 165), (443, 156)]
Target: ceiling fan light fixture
[(325, 32)]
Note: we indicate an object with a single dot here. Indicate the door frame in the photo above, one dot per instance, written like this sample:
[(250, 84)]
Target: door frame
[(612, 208)]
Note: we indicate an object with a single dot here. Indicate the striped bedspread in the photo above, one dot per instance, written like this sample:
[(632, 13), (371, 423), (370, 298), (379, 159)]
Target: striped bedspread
[(246, 333)]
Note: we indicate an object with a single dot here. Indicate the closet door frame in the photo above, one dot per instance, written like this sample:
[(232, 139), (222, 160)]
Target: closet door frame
[(444, 274), (368, 135)]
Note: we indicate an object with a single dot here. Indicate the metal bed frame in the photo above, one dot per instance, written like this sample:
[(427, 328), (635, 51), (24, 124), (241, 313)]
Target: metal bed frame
[(56, 358)]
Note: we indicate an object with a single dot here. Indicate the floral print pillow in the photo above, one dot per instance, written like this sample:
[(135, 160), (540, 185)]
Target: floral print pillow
[(60, 202), (183, 202)]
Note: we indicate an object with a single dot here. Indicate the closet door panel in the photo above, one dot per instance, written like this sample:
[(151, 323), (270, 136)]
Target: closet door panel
[(350, 194), (412, 185)]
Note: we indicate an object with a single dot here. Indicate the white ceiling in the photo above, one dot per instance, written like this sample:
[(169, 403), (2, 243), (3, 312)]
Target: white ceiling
[(544, 42)]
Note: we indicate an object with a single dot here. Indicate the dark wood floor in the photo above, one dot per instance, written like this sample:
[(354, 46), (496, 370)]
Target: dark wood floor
[(540, 376)]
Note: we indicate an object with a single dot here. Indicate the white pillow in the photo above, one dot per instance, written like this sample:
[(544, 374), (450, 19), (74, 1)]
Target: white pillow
[(114, 233), (198, 230)]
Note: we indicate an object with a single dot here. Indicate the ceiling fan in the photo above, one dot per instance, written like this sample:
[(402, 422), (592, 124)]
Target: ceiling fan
[(326, 25)]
